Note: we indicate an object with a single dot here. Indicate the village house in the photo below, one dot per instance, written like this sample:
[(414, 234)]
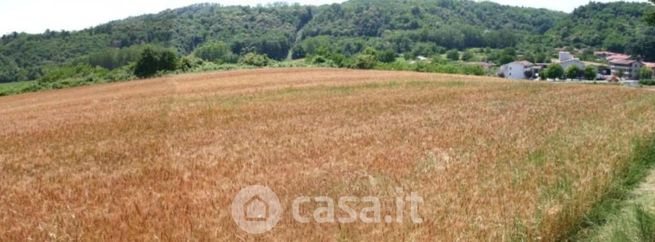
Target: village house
[(516, 70), (603, 54), (626, 68)]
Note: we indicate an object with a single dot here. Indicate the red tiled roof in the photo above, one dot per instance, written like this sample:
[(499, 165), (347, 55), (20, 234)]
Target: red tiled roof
[(604, 53), (622, 61), (649, 64), (618, 57)]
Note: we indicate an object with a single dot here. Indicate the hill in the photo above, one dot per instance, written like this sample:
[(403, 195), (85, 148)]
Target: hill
[(164, 158), (410, 27), (617, 26)]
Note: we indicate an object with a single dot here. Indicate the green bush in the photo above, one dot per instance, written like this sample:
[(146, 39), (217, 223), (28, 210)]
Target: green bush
[(573, 72), (387, 56), (645, 73), (467, 56), (554, 71), (218, 52), (649, 82), (55, 74), (365, 61), (254, 59), (188, 63), (590, 73), (153, 61), (452, 55)]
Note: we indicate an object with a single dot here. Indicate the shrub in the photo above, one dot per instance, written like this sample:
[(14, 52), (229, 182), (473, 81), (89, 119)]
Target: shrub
[(387, 56), (573, 72), (452, 55), (255, 59), (590, 73), (365, 61), (554, 71), (645, 73), (467, 56), (55, 74), (188, 63), (153, 61), (649, 82)]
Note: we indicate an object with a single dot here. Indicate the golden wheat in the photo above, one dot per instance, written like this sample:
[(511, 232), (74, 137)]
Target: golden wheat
[(161, 159)]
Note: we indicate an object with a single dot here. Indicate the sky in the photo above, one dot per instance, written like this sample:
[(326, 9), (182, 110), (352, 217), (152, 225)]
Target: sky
[(35, 16)]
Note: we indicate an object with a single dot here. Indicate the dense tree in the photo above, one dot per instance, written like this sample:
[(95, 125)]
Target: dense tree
[(452, 55), (279, 31), (554, 71), (590, 73), (651, 16), (573, 72), (611, 26), (386, 56), (365, 61), (467, 56), (9, 72), (643, 46), (254, 59), (216, 51), (114, 57), (153, 60), (645, 73)]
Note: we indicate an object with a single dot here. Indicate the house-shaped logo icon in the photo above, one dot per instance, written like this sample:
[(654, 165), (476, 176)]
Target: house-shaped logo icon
[(256, 209)]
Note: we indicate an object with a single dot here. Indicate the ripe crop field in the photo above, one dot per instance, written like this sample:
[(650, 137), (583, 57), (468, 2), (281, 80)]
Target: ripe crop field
[(162, 159)]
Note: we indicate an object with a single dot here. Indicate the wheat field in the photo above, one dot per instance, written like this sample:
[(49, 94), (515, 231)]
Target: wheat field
[(162, 159)]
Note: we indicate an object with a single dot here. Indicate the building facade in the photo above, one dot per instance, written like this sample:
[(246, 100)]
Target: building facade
[(626, 68), (516, 70)]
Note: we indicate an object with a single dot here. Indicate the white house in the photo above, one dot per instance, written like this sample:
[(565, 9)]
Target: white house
[(516, 70)]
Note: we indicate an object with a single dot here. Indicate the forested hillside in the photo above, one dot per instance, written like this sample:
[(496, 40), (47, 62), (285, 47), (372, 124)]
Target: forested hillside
[(617, 26), (280, 31)]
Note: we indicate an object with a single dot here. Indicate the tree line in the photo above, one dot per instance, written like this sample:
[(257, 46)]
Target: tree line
[(336, 33)]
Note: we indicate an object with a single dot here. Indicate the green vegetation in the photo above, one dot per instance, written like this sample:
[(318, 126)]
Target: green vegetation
[(153, 61), (645, 73), (590, 73), (453, 55), (648, 82), (218, 52), (255, 59), (16, 87), (621, 215), (213, 37), (573, 72), (618, 27), (554, 72)]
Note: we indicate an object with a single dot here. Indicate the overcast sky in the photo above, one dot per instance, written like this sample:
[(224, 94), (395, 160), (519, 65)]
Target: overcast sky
[(35, 16)]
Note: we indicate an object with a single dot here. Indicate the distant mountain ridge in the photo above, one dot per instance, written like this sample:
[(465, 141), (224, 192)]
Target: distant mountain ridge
[(281, 30)]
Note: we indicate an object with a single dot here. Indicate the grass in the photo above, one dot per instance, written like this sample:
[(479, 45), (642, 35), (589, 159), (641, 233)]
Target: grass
[(15, 87), (161, 159), (626, 213)]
